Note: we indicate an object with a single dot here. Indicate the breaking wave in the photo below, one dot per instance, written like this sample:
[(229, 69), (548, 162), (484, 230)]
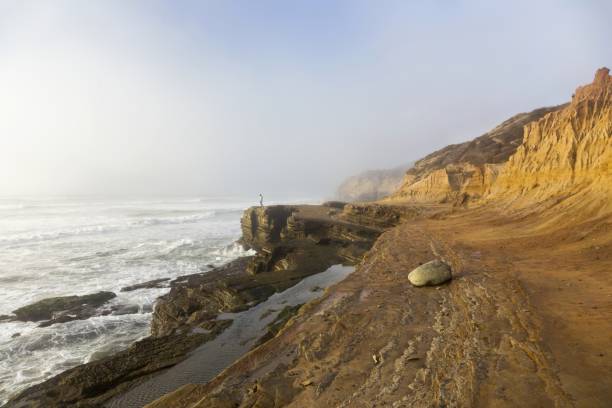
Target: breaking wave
[(103, 228)]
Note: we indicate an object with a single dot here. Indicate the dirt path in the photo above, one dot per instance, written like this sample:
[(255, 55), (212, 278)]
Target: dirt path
[(565, 274)]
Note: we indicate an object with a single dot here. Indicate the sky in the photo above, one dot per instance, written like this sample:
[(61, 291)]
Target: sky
[(234, 98)]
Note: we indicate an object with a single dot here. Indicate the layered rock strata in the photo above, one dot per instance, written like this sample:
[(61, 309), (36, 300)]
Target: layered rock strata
[(462, 172), (565, 156)]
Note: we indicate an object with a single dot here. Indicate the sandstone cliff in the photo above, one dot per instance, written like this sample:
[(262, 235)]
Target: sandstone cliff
[(371, 185), (566, 157), (459, 172)]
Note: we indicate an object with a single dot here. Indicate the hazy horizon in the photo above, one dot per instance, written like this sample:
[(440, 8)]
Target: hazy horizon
[(194, 98)]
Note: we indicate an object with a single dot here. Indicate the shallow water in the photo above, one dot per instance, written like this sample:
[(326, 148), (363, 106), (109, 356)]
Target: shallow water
[(211, 358), (67, 247)]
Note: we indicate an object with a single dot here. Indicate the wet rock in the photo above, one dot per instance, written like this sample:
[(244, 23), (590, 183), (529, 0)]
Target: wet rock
[(267, 313), (63, 309), (125, 310), (195, 299), (279, 322), (152, 284), (432, 273)]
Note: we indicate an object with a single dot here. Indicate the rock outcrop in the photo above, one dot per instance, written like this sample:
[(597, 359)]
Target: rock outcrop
[(152, 284), (460, 172), (287, 238), (371, 185), (62, 309), (291, 242)]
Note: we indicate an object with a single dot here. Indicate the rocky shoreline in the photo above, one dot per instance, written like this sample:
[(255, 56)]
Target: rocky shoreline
[(291, 243)]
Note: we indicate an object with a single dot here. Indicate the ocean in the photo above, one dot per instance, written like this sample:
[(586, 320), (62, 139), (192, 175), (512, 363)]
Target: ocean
[(59, 247)]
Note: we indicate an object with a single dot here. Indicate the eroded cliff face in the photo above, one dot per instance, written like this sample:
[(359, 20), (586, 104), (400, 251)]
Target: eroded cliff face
[(559, 157), (458, 173), (566, 156)]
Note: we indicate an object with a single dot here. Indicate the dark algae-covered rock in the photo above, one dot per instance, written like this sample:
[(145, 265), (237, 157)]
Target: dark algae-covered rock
[(44, 309), (279, 322), (152, 284), (63, 309)]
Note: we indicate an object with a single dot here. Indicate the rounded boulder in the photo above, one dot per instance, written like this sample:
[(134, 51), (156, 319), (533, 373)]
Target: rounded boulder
[(430, 274)]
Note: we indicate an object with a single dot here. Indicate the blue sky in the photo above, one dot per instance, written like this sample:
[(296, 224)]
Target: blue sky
[(236, 97)]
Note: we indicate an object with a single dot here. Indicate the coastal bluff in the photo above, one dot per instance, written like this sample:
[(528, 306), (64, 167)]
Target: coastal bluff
[(522, 217)]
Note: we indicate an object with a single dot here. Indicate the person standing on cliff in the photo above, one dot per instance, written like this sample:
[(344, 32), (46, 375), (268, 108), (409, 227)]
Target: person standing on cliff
[(260, 200)]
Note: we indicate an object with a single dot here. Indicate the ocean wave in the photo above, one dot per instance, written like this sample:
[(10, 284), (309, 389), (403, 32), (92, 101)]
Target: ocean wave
[(233, 250), (12, 207), (48, 235), (178, 244), (173, 220), (39, 353), (104, 228)]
